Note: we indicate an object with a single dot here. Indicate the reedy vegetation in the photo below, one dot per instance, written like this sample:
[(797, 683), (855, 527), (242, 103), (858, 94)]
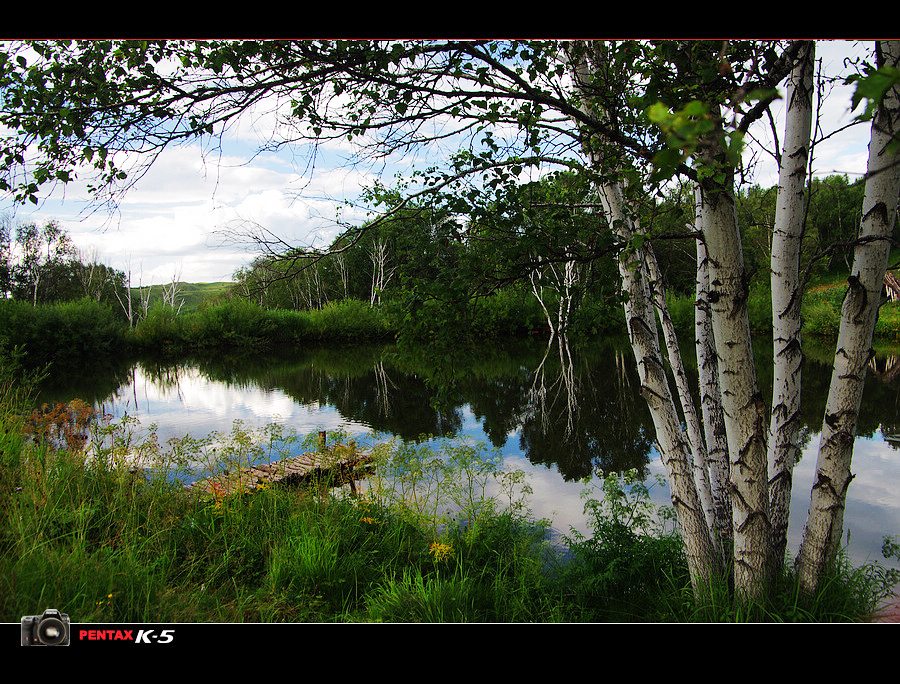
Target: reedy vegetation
[(441, 534)]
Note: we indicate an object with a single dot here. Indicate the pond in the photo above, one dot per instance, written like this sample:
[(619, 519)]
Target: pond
[(556, 413)]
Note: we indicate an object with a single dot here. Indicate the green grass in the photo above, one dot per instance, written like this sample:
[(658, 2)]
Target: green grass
[(86, 533), (194, 295), (821, 310)]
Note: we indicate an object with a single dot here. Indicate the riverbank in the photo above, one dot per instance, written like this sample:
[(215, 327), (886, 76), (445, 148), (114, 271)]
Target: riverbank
[(70, 331), (86, 530)]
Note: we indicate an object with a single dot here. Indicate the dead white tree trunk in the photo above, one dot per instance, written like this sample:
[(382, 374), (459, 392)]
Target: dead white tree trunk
[(824, 525), (381, 275), (341, 262), (126, 305), (562, 281), (172, 291), (538, 292), (787, 294)]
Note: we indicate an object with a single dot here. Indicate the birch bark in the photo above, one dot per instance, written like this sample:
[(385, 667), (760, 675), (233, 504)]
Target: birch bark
[(673, 352), (787, 293), (744, 412), (711, 403), (821, 538)]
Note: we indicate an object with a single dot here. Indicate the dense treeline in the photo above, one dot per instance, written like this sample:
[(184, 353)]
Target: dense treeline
[(428, 273), (533, 259)]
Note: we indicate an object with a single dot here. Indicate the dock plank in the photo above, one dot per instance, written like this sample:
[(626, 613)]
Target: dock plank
[(294, 470)]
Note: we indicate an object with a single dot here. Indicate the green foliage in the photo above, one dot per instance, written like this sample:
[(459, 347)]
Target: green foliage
[(872, 86), (633, 559), (682, 129), (682, 310), (238, 324), (64, 332)]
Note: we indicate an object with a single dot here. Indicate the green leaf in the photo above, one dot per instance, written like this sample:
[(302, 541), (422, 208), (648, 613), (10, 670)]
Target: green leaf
[(872, 87), (658, 113), (734, 147), (762, 94), (694, 108)]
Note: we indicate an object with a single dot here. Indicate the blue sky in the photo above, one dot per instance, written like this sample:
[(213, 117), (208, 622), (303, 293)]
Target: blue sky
[(172, 221)]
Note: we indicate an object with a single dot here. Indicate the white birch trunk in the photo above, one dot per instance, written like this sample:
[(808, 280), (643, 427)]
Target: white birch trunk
[(127, 308), (674, 452), (711, 404), (787, 294), (703, 562), (824, 525), (673, 351), (746, 423)]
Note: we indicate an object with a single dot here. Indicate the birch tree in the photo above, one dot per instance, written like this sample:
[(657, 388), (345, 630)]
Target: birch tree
[(787, 294), (824, 526), (642, 331)]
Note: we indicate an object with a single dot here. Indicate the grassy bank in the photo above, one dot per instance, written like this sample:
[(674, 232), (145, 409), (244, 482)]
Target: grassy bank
[(237, 324), (821, 311), (66, 333), (62, 333), (442, 534)]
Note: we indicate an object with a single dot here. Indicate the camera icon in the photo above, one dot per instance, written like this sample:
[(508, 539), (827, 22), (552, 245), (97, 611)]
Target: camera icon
[(49, 629)]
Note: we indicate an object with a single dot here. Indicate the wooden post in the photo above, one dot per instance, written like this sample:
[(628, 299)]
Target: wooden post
[(322, 438)]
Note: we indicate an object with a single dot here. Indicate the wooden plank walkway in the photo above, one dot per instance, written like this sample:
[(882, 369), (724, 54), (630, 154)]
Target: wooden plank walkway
[(334, 466)]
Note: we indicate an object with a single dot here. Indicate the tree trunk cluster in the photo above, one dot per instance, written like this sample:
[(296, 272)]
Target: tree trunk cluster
[(730, 463)]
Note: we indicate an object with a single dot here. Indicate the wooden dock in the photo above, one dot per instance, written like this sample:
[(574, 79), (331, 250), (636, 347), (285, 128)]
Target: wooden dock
[(331, 467)]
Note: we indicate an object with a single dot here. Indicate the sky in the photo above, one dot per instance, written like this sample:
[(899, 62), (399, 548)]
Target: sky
[(176, 220)]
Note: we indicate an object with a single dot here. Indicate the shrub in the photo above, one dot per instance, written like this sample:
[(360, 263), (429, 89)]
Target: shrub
[(64, 332)]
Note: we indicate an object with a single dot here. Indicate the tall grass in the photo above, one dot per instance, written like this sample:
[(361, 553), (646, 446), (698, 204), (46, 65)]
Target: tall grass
[(102, 530), (237, 323)]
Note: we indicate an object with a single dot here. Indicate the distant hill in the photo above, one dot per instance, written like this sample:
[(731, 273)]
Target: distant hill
[(193, 294)]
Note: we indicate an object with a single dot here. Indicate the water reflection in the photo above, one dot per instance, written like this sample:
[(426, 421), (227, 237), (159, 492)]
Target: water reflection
[(566, 411)]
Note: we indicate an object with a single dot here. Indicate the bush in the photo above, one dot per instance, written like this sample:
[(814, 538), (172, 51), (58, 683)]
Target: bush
[(682, 309), (631, 562), (64, 332), (238, 324)]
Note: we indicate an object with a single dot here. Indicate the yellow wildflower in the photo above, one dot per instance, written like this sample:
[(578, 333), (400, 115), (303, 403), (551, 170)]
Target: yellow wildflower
[(440, 551), (367, 520)]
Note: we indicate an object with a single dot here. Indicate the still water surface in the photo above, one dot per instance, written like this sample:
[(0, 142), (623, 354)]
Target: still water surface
[(556, 413)]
